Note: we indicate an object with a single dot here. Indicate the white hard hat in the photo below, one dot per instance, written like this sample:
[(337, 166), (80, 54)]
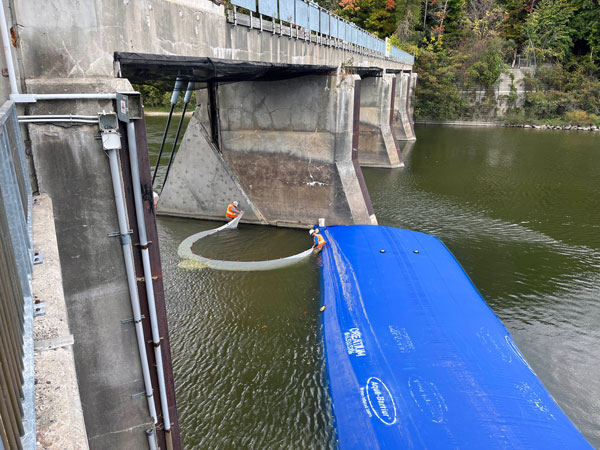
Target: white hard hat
[(235, 203), (311, 231)]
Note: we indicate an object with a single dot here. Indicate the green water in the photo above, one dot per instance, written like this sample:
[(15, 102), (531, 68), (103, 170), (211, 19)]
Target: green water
[(518, 208)]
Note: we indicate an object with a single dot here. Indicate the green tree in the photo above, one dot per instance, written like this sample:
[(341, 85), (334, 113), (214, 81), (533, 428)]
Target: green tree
[(409, 20), (516, 12), (586, 25), (487, 69), (437, 96), (549, 29)]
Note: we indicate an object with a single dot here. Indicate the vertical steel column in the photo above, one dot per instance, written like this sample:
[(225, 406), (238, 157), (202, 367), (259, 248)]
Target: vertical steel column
[(139, 212), (157, 276)]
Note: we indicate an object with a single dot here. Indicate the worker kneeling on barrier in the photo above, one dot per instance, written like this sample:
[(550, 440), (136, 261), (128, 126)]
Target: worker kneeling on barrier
[(319, 241), (232, 211)]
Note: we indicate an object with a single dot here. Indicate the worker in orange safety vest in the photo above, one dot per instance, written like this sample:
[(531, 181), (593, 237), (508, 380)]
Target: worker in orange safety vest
[(232, 211), (319, 241)]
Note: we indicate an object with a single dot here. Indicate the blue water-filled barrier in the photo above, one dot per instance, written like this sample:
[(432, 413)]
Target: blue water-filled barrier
[(417, 360)]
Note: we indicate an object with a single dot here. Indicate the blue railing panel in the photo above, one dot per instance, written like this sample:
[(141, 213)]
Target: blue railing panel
[(301, 14), (324, 22), (313, 17), (286, 10), (268, 8), (334, 27), (248, 4)]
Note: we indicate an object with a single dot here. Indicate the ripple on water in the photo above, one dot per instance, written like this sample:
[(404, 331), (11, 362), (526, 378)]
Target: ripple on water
[(519, 210), (247, 349)]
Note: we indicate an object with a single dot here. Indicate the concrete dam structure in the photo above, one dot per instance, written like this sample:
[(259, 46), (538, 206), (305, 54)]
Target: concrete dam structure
[(286, 152), (287, 139), (309, 134)]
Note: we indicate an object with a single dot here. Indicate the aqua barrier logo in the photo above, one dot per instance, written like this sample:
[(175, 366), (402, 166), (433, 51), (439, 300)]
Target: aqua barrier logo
[(381, 401)]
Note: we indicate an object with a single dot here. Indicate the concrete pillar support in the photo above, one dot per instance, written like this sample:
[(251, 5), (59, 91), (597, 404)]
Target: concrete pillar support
[(403, 113), (378, 146), (285, 151)]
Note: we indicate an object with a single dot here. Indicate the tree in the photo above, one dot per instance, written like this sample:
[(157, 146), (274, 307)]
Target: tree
[(375, 16), (487, 69), (549, 29), (586, 25), (438, 97)]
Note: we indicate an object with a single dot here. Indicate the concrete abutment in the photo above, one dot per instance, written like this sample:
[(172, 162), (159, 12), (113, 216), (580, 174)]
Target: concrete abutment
[(285, 151)]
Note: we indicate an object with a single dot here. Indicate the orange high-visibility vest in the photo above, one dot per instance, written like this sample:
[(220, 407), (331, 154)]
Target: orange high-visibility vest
[(320, 239), (230, 211)]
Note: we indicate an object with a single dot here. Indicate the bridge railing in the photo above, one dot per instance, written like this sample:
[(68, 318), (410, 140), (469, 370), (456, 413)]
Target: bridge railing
[(17, 416), (307, 18)]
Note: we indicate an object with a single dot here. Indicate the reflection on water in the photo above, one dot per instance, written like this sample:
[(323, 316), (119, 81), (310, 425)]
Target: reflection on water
[(518, 208)]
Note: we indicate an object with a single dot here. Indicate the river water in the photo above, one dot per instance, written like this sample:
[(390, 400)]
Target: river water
[(518, 208)]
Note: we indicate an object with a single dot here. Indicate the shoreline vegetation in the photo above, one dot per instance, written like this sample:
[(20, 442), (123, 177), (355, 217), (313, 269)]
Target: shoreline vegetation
[(501, 124), (527, 63)]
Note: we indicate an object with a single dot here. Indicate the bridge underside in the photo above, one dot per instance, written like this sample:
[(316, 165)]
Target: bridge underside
[(141, 68)]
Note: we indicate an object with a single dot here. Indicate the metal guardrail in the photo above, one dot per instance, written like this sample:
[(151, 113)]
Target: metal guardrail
[(17, 415), (310, 17)]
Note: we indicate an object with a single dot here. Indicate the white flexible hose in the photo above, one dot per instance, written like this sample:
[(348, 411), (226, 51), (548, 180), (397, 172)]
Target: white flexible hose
[(193, 261)]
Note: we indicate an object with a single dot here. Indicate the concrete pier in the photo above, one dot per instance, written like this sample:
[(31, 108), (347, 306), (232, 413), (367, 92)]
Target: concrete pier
[(404, 108), (378, 146), (285, 150)]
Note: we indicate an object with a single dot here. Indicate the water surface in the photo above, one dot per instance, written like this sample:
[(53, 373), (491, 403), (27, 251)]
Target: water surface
[(518, 208)]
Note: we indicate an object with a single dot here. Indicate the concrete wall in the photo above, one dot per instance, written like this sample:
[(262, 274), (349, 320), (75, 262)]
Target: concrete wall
[(200, 184), (72, 168), (59, 415), (508, 91), (378, 146), (286, 144), (404, 107)]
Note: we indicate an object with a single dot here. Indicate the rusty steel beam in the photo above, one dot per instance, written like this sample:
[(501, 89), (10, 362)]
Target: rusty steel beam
[(157, 279)]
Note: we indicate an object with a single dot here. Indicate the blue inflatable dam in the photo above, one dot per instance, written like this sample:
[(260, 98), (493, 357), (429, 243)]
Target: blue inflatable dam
[(417, 360)]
